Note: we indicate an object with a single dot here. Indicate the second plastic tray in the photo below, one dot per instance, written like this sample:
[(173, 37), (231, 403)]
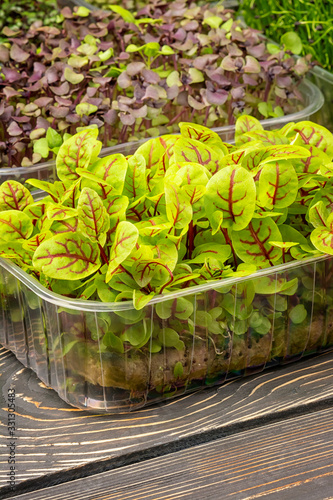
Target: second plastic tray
[(313, 102)]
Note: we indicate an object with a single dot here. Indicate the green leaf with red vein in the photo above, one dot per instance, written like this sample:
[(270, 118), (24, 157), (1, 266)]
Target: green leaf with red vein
[(245, 124), (36, 210), (62, 226), (15, 251), (55, 189), (14, 196), (71, 195), (15, 225), (67, 256), (94, 220), (192, 179), (112, 170), (255, 159), (141, 299), (318, 214), (178, 208), (192, 151), (33, 243), (116, 207), (266, 137), (326, 196), (313, 163), (141, 251), (327, 169), (152, 151), (312, 134), (126, 237), (153, 271), (202, 134), (278, 185), (252, 244), (209, 251), (154, 226), (289, 233), (322, 239), (76, 152), (168, 141), (180, 308), (135, 185), (90, 180), (231, 191), (236, 157), (56, 211), (166, 251), (160, 172)]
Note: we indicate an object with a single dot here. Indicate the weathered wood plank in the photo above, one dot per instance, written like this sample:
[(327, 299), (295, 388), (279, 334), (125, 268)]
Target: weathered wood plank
[(282, 461), (56, 442)]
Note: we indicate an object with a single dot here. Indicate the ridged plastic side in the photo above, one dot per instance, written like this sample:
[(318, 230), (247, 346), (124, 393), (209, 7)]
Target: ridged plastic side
[(113, 358)]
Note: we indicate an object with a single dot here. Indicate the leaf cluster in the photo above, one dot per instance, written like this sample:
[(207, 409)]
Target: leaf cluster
[(136, 75), (182, 211), (21, 13)]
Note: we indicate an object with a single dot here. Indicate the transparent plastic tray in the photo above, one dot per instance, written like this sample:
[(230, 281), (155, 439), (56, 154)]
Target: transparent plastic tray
[(323, 79), (179, 343), (313, 102)]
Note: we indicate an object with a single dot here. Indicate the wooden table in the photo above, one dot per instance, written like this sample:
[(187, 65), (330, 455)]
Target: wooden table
[(266, 436)]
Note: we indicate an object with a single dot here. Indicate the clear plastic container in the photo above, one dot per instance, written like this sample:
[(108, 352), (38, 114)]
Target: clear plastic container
[(313, 102), (109, 357), (324, 81)]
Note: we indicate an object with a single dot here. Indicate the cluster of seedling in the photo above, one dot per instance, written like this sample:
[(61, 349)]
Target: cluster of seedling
[(136, 75), (184, 210)]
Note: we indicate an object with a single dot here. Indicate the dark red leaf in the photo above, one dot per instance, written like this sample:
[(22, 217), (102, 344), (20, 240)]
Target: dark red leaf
[(217, 98), (52, 75), (11, 75), (124, 81), (14, 129), (10, 92), (151, 76), (202, 61), (62, 101), (111, 116), (127, 119), (21, 119), (59, 112), (172, 92), (63, 89), (135, 68), (17, 54), (4, 54), (73, 118)]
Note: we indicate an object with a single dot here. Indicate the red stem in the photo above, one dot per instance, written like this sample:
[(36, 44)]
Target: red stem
[(103, 255)]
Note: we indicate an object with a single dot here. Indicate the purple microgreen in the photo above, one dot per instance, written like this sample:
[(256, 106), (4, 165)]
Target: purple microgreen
[(154, 68)]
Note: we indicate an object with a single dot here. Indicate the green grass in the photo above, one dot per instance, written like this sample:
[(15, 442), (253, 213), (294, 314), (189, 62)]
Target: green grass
[(312, 20)]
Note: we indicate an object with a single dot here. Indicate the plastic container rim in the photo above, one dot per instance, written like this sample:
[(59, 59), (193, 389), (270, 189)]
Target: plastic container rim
[(307, 88), (98, 306)]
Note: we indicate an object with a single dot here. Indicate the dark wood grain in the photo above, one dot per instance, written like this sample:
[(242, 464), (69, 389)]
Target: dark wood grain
[(286, 461), (56, 442)]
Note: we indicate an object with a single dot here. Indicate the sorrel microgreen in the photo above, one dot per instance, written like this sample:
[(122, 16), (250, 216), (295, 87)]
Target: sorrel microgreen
[(184, 210), (178, 212)]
